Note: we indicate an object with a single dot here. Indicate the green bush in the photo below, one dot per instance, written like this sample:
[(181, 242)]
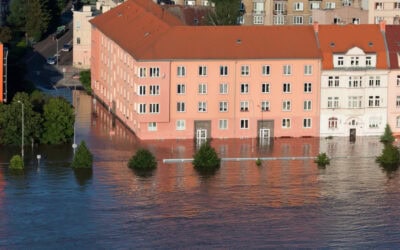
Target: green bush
[(258, 162), (83, 158), (390, 157), (206, 158), (143, 160), (322, 160), (16, 163), (84, 77)]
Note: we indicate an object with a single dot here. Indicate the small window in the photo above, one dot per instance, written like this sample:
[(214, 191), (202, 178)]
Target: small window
[(202, 88), (223, 70), (287, 69), (181, 89), (223, 124), (181, 71), (286, 123), (202, 107), (265, 88), (141, 90), (154, 72), (286, 105), (154, 108), (264, 106), (154, 89), (244, 106), (180, 107), (244, 124), (180, 125), (244, 88), (223, 106), (286, 88), (307, 69), (266, 70), (307, 87), (152, 126), (202, 70), (307, 105), (245, 70), (306, 123), (223, 88)]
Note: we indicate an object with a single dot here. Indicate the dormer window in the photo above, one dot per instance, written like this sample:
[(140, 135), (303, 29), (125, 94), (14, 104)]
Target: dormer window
[(340, 61), (354, 61)]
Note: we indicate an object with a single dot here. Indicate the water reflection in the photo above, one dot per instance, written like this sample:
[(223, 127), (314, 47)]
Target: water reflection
[(283, 203), (83, 176)]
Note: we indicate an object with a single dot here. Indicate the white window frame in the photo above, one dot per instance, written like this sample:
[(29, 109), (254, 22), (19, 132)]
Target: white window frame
[(244, 88), (223, 124), (202, 88), (180, 124), (286, 123), (223, 106), (180, 107), (202, 106), (307, 105), (244, 123), (286, 87), (154, 72), (333, 123), (266, 70), (298, 6), (223, 88), (181, 88), (265, 87), (154, 108), (244, 106), (152, 126), (142, 108), (298, 20), (202, 70), (223, 70), (307, 123), (142, 72), (287, 69), (265, 106), (154, 89), (308, 70), (286, 105), (245, 70), (181, 71), (141, 90), (307, 87)]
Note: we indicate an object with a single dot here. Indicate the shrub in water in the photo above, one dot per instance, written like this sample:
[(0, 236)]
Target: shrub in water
[(83, 158), (206, 158), (143, 160), (16, 163), (322, 160), (390, 157), (258, 162)]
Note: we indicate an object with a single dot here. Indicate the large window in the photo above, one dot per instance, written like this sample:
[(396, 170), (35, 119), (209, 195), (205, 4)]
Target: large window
[(286, 123), (307, 69), (244, 106), (154, 89), (287, 69), (154, 72), (307, 123), (181, 71), (152, 126), (307, 105), (181, 88), (223, 88), (245, 70), (223, 106), (266, 70), (374, 101), (332, 122), (307, 87), (355, 102), (202, 106), (264, 106), (223, 124), (244, 88), (223, 70), (286, 87), (180, 125), (244, 124), (141, 90), (286, 105), (154, 108), (202, 70), (265, 88), (202, 88)]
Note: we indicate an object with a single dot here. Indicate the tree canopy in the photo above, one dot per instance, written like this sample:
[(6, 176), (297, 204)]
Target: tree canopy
[(226, 12)]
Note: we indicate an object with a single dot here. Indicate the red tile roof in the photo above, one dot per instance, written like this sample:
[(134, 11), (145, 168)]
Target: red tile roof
[(341, 38), (152, 34), (393, 41)]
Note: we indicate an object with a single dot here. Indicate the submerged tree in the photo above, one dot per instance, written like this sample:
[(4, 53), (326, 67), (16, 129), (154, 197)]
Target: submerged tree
[(390, 157)]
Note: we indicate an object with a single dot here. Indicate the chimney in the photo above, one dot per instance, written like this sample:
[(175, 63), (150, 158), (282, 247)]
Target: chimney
[(382, 25), (316, 27)]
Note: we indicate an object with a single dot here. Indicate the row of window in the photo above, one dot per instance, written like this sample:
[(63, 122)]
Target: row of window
[(244, 106), (356, 81), (388, 6), (374, 122), (223, 124), (224, 70), (356, 101), (354, 61)]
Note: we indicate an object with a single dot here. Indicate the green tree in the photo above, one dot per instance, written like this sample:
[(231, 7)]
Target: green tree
[(11, 121), (387, 137), (84, 77), (143, 160), (206, 158), (58, 126), (390, 157), (5, 34), (226, 12), (16, 163), (322, 160), (83, 158)]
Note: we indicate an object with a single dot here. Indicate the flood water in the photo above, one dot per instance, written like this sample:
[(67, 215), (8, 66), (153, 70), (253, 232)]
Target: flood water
[(351, 203)]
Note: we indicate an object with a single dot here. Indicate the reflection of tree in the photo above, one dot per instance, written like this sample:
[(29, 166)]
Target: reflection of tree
[(83, 175)]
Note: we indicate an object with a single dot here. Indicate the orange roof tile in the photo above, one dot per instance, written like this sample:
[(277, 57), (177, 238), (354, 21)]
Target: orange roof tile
[(393, 40), (153, 34), (340, 38)]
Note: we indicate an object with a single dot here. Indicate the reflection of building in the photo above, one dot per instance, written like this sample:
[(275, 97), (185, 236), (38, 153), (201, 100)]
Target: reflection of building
[(161, 80)]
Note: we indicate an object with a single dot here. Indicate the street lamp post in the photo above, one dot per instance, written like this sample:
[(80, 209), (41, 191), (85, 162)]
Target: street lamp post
[(23, 127), (75, 107), (57, 53)]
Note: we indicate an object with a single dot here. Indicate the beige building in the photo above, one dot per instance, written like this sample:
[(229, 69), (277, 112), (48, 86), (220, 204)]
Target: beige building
[(388, 10), (82, 31), (347, 14)]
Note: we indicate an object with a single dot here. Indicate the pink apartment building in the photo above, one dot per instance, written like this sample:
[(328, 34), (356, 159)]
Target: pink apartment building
[(165, 80), (393, 40)]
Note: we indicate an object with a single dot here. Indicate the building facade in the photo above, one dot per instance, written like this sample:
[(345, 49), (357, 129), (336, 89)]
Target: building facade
[(237, 86), (354, 80), (393, 41), (384, 10)]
